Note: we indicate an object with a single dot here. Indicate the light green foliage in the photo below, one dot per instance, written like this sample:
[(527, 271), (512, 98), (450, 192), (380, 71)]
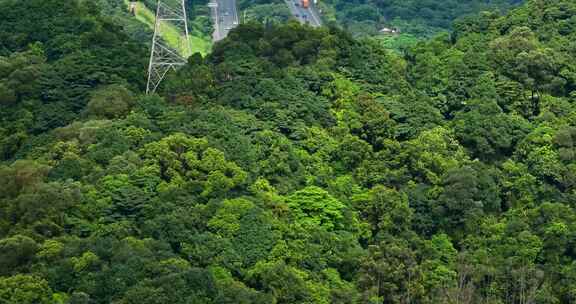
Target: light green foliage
[(50, 250), (199, 42), (226, 221), (182, 160), (433, 153), (313, 206), (25, 289), (88, 259), (400, 42), (439, 267), (268, 196)]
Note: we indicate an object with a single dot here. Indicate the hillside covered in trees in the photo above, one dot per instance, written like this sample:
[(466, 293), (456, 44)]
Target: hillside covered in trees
[(291, 165), (413, 20), (417, 17)]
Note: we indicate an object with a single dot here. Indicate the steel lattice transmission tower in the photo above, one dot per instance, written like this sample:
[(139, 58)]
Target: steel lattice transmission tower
[(164, 58)]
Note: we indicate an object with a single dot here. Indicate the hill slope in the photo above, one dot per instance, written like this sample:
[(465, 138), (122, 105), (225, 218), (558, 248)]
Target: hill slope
[(199, 43), (292, 165)]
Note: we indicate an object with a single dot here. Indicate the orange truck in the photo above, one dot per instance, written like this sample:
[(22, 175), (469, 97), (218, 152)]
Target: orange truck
[(305, 3)]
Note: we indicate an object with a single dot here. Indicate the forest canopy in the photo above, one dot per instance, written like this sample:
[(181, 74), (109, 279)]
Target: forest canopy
[(291, 165)]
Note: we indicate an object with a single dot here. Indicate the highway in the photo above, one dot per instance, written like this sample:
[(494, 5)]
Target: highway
[(304, 15), (225, 17)]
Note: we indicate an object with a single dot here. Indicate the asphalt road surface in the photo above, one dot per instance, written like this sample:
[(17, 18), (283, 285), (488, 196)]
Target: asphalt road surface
[(304, 15), (225, 16)]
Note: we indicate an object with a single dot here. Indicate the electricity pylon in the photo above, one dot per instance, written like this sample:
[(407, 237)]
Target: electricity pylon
[(164, 58)]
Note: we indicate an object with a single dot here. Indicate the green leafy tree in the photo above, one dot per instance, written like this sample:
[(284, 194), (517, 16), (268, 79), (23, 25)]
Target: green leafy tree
[(386, 210), (110, 102), (25, 289), (315, 207), (390, 274), (183, 161), (488, 132), (16, 252)]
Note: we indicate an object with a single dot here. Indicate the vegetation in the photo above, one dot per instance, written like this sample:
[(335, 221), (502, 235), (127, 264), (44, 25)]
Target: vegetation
[(275, 11), (199, 36), (414, 20), (291, 165), (420, 18)]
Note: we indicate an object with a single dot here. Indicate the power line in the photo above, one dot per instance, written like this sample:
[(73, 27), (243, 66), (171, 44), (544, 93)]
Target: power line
[(163, 58)]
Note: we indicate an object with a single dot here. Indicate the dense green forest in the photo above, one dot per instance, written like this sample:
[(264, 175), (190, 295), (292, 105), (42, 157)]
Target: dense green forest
[(417, 17), (291, 165)]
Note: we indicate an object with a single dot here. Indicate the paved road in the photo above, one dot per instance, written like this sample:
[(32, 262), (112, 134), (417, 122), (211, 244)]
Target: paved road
[(225, 17), (304, 15)]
